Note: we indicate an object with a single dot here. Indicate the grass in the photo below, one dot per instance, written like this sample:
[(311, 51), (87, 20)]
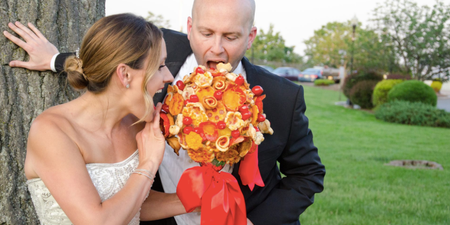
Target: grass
[(359, 188)]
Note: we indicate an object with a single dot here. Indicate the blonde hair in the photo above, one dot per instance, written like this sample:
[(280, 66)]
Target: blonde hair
[(121, 38)]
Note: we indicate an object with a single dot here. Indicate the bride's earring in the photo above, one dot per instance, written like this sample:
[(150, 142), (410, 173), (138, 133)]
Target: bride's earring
[(128, 79)]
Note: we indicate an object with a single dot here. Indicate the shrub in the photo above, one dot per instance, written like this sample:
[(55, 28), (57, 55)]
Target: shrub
[(398, 77), (323, 82), (413, 91), (352, 79), (361, 93), (381, 91), (414, 113), (436, 85), (349, 82)]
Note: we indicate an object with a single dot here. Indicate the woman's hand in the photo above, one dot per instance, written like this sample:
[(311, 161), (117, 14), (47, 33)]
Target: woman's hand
[(36, 45), (249, 222), (151, 143)]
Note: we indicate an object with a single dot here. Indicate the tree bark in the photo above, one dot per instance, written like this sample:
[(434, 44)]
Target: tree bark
[(25, 94)]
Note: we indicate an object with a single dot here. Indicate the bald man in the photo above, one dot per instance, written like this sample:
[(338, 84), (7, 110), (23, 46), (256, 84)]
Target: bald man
[(221, 31)]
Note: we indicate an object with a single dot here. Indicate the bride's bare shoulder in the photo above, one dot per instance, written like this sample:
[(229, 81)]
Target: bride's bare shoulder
[(53, 116), (52, 123)]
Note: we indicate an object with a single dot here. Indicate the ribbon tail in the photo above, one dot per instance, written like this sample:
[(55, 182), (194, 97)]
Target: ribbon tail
[(212, 209), (249, 170), (238, 211)]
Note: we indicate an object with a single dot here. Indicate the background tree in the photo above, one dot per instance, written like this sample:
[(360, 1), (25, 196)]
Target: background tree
[(332, 45), (325, 47), (270, 46), (25, 94), (158, 20), (420, 36)]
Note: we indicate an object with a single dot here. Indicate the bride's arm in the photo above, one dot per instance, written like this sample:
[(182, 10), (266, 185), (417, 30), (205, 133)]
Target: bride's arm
[(161, 205), (56, 159)]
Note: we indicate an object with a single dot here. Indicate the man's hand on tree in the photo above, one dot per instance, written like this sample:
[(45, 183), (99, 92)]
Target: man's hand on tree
[(36, 45)]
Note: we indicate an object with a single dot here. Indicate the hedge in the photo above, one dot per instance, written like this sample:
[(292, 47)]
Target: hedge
[(381, 91), (413, 91), (413, 113), (361, 93), (323, 82), (352, 79)]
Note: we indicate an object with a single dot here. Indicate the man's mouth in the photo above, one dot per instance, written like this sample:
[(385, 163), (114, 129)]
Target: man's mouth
[(213, 64)]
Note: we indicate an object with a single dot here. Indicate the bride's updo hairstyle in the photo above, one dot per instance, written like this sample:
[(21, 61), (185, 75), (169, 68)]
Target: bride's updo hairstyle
[(121, 38)]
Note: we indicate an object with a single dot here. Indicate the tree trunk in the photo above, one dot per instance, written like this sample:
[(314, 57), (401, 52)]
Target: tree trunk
[(25, 94)]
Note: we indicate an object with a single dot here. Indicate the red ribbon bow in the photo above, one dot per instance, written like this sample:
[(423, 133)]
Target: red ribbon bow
[(217, 193)]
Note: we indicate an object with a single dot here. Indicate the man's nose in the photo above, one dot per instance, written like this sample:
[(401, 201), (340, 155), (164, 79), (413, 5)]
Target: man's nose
[(217, 47)]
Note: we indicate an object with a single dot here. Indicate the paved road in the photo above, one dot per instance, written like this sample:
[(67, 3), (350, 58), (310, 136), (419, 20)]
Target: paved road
[(444, 103), (444, 97)]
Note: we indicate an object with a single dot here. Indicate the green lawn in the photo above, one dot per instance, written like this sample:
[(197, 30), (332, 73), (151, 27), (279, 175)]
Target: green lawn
[(359, 188)]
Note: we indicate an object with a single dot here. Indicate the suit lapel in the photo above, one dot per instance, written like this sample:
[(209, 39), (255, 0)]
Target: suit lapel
[(252, 77)]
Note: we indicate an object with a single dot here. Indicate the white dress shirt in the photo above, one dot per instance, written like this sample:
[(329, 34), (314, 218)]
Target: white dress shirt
[(172, 165)]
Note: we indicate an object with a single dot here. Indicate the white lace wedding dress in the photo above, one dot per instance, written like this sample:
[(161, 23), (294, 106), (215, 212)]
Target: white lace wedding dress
[(108, 179)]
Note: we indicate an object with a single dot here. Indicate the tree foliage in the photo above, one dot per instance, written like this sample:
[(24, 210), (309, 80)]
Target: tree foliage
[(271, 46), (158, 20), (329, 45), (332, 45), (420, 36)]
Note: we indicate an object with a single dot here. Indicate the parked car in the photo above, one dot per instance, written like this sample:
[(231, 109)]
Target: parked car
[(329, 73), (289, 73), (310, 74), (268, 68)]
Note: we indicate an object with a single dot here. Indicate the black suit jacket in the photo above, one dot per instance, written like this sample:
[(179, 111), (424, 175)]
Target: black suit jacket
[(282, 200)]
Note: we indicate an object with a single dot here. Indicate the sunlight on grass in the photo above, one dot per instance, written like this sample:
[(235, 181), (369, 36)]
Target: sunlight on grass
[(359, 188)]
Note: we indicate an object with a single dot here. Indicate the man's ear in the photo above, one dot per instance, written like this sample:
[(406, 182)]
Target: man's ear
[(189, 27), (123, 74), (251, 37)]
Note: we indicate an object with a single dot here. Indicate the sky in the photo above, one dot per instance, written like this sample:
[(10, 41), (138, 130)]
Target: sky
[(296, 20)]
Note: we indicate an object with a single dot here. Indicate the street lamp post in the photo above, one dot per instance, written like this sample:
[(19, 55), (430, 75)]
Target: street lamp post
[(354, 23), (342, 72)]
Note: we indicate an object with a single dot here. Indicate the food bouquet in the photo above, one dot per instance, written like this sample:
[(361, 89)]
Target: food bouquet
[(218, 120)]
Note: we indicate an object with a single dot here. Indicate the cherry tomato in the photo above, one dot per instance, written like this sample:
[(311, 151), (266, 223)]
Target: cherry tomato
[(187, 130), (239, 80), (221, 125), (165, 108), (193, 98), (246, 115), (257, 90), (218, 95), (235, 133), (198, 130), (243, 109), (187, 120), (199, 70), (180, 85), (261, 118)]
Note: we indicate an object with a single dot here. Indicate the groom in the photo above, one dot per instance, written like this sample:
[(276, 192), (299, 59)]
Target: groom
[(221, 31)]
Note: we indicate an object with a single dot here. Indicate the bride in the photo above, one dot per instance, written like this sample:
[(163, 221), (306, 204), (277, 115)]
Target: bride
[(82, 164)]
